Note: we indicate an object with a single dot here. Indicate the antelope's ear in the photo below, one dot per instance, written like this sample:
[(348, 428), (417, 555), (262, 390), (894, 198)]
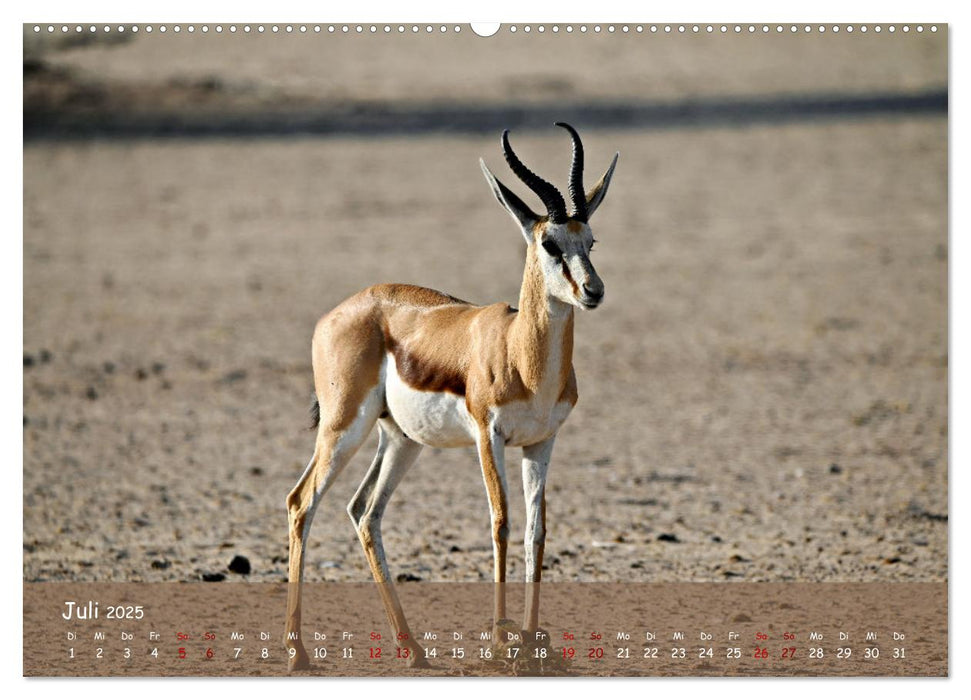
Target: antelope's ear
[(521, 214), (596, 195)]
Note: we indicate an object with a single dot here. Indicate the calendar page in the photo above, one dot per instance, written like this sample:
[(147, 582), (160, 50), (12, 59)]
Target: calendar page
[(459, 350)]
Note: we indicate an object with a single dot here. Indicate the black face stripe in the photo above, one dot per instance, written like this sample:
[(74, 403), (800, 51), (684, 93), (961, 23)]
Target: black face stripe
[(569, 277), (552, 248)]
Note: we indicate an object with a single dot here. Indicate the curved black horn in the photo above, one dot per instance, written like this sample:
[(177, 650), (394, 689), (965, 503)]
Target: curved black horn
[(555, 206), (577, 194)]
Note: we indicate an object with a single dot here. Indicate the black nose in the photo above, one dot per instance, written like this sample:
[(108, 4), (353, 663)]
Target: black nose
[(593, 292)]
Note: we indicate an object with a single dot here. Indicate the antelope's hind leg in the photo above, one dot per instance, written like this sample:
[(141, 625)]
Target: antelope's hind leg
[(396, 453), (334, 449)]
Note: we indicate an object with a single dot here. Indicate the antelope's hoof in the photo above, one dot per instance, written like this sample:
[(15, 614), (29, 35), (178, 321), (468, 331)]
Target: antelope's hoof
[(507, 632), (418, 659), (299, 662), (538, 638)]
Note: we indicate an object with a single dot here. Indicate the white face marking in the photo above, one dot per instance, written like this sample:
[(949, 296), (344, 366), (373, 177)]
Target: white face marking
[(437, 419), (564, 254)]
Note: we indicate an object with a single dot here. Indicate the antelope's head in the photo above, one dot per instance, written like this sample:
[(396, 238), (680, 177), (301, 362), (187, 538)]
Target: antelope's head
[(560, 241)]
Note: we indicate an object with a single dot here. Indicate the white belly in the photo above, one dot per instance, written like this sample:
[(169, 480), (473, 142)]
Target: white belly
[(437, 419)]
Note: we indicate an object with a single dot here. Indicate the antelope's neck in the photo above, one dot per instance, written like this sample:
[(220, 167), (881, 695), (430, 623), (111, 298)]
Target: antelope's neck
[(541, 337)]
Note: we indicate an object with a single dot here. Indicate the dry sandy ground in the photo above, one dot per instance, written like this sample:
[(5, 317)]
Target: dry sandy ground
[(517, 67), (763, 395), (769, 624)]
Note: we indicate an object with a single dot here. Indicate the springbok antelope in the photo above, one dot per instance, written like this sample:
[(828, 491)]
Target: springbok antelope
[(430, 369)]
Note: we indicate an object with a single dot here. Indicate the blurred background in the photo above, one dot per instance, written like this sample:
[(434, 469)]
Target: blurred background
[(763, 394)]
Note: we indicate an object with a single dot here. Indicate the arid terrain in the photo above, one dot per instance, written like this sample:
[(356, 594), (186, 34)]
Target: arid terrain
[(763, 394)]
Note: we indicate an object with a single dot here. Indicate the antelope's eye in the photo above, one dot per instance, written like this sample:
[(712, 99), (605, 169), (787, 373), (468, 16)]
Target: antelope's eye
[(593, 243), (550, 247)]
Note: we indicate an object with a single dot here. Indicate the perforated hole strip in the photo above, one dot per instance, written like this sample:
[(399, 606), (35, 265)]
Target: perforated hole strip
[(377, 29)]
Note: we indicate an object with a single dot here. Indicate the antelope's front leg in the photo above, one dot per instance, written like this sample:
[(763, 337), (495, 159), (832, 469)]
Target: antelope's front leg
[(536, 462), (492, 458)]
